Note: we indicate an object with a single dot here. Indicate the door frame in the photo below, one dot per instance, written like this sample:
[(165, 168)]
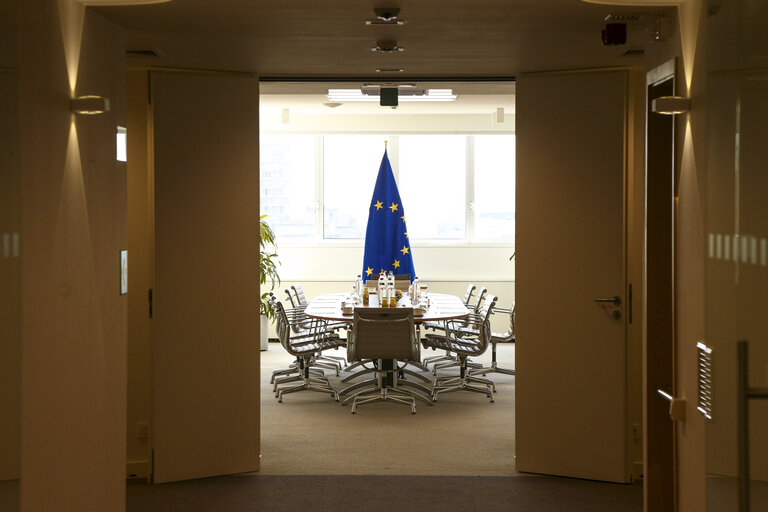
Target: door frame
[(659, 450)]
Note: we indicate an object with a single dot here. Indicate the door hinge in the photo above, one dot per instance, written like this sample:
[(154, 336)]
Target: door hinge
[(150, 303), (629, 303)]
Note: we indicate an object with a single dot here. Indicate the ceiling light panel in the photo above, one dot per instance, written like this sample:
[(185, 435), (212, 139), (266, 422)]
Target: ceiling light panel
[(356, 95)]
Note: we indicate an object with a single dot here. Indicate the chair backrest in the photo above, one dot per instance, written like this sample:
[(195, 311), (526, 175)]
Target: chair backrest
[(383, 333), (468, 294), (481, 336), (480, 298), (402, 277), (509, 335), (283, 326), (289, 295), (484, 335), (301, 299)]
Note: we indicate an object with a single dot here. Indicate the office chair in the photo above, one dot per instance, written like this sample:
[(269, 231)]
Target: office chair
[(496, 337), (304, 346), (386, 336), (464, 344)]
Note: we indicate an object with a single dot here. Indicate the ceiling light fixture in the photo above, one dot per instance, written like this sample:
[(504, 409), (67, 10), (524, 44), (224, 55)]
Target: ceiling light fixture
[(386, 16), (356, 95), (387, 47)]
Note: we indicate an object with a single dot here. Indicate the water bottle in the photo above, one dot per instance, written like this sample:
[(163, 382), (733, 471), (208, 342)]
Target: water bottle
[(382, 284), (359, 285), (415, 290)]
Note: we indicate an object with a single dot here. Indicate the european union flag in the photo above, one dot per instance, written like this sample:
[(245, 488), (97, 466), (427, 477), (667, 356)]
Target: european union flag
[(386, 237)]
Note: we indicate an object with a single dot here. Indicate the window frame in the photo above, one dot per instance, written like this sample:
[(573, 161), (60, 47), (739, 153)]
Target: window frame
[(393, 148)]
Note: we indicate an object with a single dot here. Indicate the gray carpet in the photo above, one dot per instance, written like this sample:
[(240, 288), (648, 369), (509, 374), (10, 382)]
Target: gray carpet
[(384, 493), (310, 434)]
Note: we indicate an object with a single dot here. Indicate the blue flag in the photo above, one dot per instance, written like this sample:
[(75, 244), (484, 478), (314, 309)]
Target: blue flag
[(386, 237)]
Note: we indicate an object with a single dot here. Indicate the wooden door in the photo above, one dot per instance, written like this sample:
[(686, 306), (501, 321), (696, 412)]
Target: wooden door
[(206, 294), (571, 389)]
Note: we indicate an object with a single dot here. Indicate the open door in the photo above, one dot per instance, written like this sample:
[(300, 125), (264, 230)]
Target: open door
[(573, 404)]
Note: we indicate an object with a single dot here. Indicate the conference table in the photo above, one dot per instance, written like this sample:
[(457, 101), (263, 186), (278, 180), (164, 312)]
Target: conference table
[(441, 307), (433, 307)]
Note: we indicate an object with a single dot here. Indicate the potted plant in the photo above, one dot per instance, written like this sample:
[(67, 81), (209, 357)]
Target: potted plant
[(267, 271)]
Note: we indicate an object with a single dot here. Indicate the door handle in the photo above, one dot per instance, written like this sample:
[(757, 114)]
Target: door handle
[(615, 300), (676, 404)]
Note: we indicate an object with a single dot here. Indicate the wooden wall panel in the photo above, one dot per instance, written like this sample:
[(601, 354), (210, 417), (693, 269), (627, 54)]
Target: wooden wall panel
[(73, 227)]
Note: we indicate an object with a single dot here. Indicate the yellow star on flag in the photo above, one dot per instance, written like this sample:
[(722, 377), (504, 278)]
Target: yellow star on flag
[(368, 271), (396, 263), (393, 207), (379, 205), (404, 250), (403, 217), (406, 234)]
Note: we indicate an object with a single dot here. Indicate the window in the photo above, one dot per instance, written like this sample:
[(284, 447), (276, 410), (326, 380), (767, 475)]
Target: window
[(288, 184), (432, 185), (454, 188), (350, 166), (493, 207)]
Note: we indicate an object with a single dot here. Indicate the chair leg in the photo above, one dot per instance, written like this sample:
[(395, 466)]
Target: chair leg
[(460, 383), (493, 368), (357, 374), (309, 383)]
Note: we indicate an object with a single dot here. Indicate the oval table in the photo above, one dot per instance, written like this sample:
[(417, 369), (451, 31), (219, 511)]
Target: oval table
[(442, 308)]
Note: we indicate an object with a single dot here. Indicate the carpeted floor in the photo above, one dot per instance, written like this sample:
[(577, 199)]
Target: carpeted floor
[(250, 493), (461, 434)]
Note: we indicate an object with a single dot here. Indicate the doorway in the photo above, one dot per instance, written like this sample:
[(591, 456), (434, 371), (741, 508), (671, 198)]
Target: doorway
[(658, 336), (459, 135)]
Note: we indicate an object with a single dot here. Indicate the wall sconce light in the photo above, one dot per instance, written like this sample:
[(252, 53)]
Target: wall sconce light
[(499, 115), (671, 105), (89, 104)]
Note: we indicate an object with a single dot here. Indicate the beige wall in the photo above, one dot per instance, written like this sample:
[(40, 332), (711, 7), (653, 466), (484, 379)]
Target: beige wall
[(445, 269), (718, 300), (73, 211), (316, 123)]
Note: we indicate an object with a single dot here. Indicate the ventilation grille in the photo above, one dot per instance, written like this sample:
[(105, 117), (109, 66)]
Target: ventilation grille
[(144, 52), (633, 52), (623, 18), (705, 380)]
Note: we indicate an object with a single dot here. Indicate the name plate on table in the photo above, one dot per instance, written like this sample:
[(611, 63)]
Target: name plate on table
[(347, 308)]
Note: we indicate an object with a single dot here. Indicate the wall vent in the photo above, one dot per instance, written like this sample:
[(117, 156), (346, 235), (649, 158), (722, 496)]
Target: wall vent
[(623, 18), (705, 380), (634, 52), (144, 52)]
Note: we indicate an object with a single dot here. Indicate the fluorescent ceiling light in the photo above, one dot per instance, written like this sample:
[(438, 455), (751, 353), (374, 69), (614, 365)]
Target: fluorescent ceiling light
[(356, 95)]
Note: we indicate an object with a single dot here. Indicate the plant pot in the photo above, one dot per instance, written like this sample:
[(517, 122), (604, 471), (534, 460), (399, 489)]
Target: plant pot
[(264, 324)]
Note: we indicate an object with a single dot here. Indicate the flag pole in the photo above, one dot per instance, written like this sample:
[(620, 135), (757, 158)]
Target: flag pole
[(385, 145)]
